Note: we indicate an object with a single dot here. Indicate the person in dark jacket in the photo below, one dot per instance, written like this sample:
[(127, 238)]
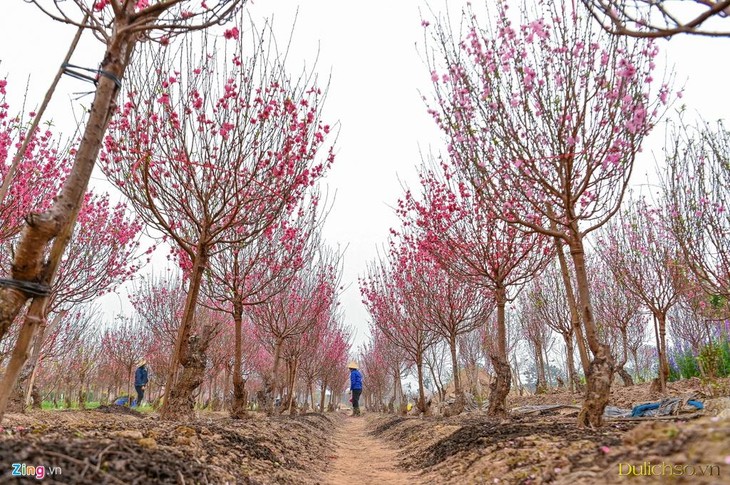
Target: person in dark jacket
[(355, 387), (140, 380)]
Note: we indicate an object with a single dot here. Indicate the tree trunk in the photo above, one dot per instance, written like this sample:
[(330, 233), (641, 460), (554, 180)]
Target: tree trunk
[(575, 322), (323, 395), (271, 386), (458, 406), (182, 397), (183, 335), (238, 406), (635, 355), (660, 324), (16, 402), (572, 377), (499, 387), (292, 384), (20, 352), (35, 358), (625, 376), (546, 365), (82, 395), (515, 377), (541, 385), (310, 385), (600, 370), (421, 394), (36, 397)]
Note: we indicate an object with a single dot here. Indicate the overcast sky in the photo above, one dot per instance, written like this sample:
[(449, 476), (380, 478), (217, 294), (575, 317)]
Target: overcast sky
[(371, 49)]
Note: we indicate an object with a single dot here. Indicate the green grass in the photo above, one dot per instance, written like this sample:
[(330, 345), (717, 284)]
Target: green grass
[(48, 406)]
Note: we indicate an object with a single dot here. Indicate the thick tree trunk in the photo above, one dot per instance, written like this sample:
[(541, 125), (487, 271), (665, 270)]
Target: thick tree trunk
[(601, 368), (16, 402), (182, 398), (183, 335), (499, 387)]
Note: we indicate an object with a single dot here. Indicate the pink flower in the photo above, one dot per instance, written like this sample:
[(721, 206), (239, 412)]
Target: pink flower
[(425, 23), (538, 28), (231, 33), (605, 449), (100, 5), (164, 99), (225, 129), (664, 94)]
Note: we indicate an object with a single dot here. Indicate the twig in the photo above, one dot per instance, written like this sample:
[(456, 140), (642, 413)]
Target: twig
[(79, 462), (98, 458)]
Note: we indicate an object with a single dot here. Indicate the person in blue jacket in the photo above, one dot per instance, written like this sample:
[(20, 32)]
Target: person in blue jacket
[(355, 387), (140, 380)]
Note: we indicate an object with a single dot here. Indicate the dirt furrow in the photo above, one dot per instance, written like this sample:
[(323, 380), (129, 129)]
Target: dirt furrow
[(362, 458)]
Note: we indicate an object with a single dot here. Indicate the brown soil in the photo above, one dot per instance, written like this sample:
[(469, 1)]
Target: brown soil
[(553, 450), (550, 448), (362, 458), (94, 447), (118, 446)]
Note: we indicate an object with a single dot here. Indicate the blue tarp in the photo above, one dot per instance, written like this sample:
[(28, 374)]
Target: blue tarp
[(662, 408), (124, 400)]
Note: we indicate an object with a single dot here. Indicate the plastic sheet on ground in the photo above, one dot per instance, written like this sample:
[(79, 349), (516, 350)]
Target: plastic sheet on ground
[(540, 409), (673, 406)]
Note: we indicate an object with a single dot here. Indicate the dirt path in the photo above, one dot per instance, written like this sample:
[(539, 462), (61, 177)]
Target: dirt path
[(361, 458)]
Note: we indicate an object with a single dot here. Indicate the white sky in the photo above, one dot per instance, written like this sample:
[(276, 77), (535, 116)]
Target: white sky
[(376, 72)]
